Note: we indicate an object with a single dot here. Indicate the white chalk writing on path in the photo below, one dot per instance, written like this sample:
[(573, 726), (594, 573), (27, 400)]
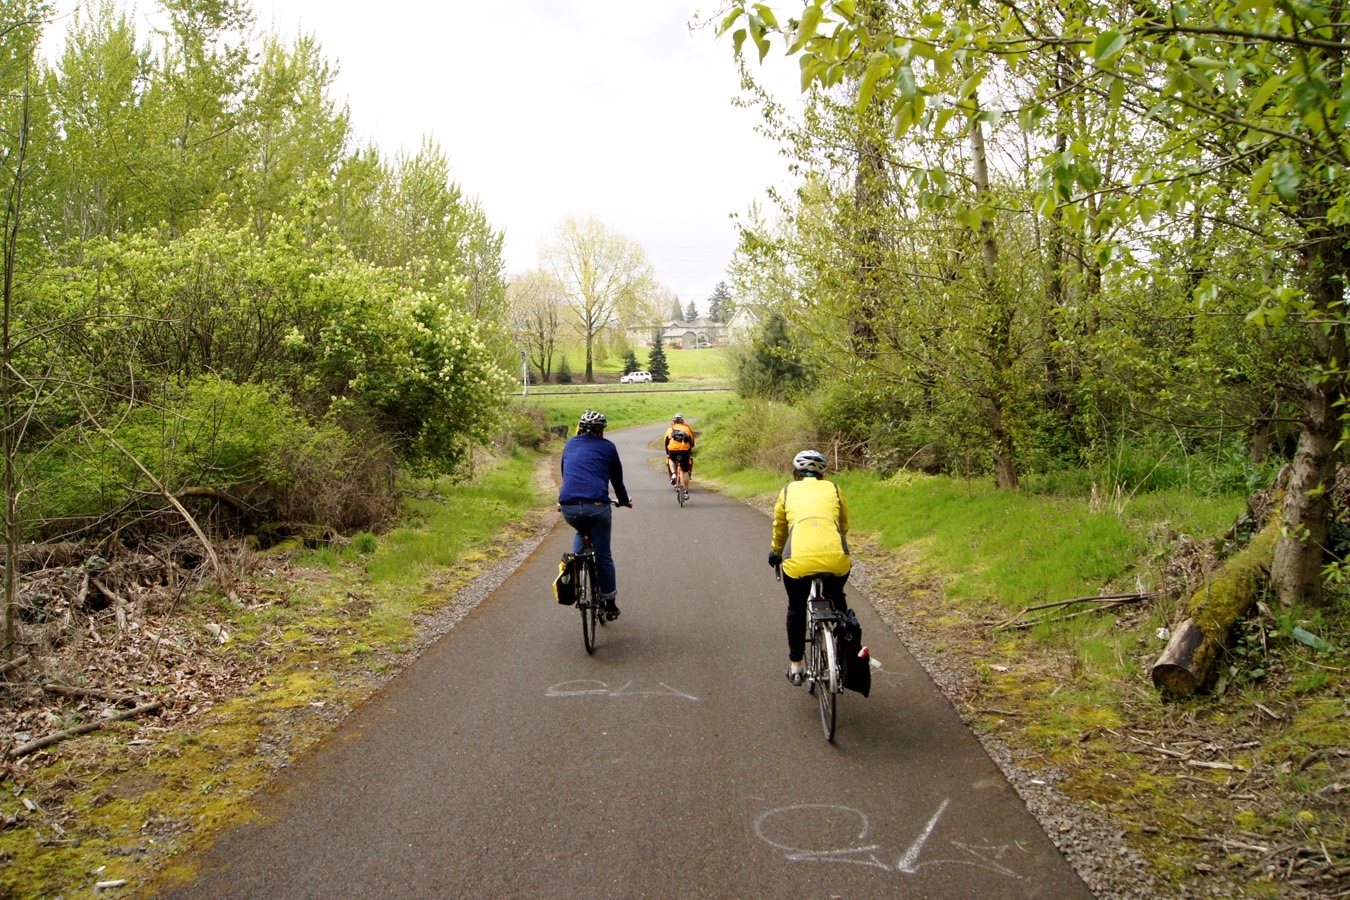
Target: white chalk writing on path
[(588, 688), (869, 854)]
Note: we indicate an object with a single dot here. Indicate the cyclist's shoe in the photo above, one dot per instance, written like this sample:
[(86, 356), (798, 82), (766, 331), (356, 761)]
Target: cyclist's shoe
[(611, 608), (795, 676), (672, 479)]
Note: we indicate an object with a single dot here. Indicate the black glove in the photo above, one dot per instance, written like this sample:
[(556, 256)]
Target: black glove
[(774, 560)]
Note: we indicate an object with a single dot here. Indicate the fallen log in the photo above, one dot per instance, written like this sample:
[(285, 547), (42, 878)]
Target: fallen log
[(39, 743), (7, 667), (1185, 664)]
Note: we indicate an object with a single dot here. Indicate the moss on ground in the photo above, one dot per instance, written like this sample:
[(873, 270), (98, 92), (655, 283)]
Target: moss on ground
[(130, 801)]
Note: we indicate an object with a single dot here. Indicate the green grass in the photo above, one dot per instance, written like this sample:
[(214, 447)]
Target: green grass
[(441, 523), (711, 367), (1019, 549), (625, 411)]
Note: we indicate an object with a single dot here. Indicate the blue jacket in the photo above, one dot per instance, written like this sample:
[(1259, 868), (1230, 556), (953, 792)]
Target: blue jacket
[(589, 464)]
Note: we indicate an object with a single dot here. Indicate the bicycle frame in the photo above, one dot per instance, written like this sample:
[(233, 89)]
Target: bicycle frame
[(588, 602), (823, 670)]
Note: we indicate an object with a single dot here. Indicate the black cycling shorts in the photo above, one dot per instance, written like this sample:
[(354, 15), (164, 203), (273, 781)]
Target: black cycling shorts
[(683, 458)]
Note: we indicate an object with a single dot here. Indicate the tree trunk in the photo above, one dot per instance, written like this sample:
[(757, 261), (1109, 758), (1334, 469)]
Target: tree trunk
[(998, 339), (1185, 664), (1306, 511)]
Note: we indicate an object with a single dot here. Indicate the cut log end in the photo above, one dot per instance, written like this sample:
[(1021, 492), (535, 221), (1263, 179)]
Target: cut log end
[(1185, 663)]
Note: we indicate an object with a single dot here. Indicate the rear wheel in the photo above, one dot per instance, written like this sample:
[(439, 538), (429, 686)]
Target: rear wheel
[(827, 690), (590, 604), (679, 492)]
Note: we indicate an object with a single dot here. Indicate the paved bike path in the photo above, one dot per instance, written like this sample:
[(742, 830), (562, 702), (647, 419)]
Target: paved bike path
[(675, 762)]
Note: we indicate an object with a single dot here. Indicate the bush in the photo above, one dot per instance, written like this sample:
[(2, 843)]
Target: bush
[(874, 428), (760, 434), (523, 426), (772, 368), (243, 440)]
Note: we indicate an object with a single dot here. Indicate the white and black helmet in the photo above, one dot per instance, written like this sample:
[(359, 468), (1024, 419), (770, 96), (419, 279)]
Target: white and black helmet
[(810, 461), (592, 421)]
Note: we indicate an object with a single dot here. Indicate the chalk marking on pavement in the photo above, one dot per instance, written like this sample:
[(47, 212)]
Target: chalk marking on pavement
[(602, 689), (907, 865), (799, 854)]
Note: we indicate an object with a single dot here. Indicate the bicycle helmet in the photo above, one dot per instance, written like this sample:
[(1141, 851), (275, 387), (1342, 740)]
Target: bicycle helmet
[(592, 422), (810, 462), (678, 418)]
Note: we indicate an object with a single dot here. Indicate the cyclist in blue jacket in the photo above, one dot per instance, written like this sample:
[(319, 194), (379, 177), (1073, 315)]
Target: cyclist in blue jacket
[(590, 463)]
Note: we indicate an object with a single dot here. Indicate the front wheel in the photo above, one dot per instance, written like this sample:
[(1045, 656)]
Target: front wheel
[(827, 688), (589, 595)]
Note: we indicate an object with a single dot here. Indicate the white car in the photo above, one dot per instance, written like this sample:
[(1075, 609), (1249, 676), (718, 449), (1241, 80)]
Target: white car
[(636, 378)]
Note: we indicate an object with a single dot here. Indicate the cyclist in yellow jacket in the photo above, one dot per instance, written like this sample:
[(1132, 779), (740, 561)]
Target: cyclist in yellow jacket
[(679, 443), (810, 539)]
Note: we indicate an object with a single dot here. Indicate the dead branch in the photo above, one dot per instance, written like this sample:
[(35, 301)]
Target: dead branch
[(66, 690), (164, 492), (1109, 601), (160, 642), (6, 668), (38, 744), (218, 495), (119, 604), (80, 597)]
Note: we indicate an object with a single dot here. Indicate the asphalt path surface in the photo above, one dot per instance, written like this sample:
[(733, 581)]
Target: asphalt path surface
[(677, 761)]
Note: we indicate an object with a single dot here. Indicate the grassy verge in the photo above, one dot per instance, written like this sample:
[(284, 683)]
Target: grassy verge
[(310, 635), (625, 411), (1240, 792)]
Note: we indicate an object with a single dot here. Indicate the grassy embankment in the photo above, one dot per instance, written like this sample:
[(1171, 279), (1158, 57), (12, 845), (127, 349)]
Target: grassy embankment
[(1258, 760), (311, 635)]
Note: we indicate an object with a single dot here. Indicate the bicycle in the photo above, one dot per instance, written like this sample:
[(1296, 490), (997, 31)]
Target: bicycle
[(680, 480), (822, 667), (588, 593)]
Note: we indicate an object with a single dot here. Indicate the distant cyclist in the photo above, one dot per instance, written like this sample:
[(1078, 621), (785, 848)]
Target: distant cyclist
[(590, 463), (810, 539), (679, 451)]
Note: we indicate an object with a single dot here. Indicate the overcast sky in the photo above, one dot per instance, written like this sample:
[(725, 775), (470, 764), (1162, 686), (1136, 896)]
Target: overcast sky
[(546, 108)]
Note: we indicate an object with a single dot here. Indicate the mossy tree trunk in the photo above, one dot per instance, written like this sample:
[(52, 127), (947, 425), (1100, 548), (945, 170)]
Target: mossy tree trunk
[(1189, 657)]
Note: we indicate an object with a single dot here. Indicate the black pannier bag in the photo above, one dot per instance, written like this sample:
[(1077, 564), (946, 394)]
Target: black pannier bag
[(848, 641), (565, 585)]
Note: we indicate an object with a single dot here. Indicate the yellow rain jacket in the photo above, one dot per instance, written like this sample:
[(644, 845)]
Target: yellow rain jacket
[(810, 529)]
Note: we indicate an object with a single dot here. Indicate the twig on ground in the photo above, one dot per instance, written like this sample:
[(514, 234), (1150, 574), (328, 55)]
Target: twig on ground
[(66, 690), (6, 668), (38, 744), (1107, 601)]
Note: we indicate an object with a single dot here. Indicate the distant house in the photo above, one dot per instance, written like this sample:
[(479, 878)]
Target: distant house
[(743, 327), (680, 335)]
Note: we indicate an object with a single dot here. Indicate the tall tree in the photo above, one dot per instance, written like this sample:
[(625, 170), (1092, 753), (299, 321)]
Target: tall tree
[(20, 28), (536, 317), (600, 274), (691, 312), (656, 360), (1246, 104), (720, 305), (295, 132)]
